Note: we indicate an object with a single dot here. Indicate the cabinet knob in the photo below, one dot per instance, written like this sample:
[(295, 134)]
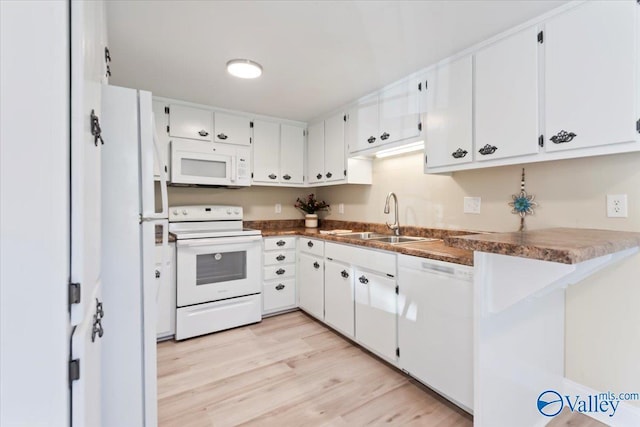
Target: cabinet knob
[(562, 137), (459, 153), (316, 265), (310, 243), (279, 287), (319, 176), (363, 279), (280, 271), (280, 242), (273, 176), (329, 174), (286, 177), (280, 257), (384, 136), (222, 136), (344, 273), (487, 149), (203, 133), (371, 139)]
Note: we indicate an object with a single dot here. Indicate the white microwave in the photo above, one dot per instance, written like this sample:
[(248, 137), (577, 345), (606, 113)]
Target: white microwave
[(210, 163)]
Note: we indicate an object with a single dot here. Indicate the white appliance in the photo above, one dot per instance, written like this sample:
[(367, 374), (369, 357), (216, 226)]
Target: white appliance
[(217, 269), (210, 163), (130, 290)]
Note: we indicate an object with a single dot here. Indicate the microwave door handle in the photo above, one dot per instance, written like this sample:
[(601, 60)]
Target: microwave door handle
[(233, 168)]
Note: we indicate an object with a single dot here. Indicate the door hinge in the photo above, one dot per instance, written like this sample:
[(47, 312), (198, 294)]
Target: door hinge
[(251, 174), (166, 110), (345, 172), (397, 290), (74, 370), (420, 86), (344, 118), (420, 126), (541, 140), (638, 122), (425, 84), (397, 351), (167, 128), (251, 124), (250, 141), (74, 293), (541, 37), (304, 132)]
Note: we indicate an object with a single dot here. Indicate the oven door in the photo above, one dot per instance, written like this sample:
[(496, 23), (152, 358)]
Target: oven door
[(217, 268), (195, 162)]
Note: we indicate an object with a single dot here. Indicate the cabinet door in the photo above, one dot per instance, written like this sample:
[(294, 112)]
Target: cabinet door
[(232, 129), (375, 313), (591, 83), (339, 297), (165, 277), (160, 118), (291, 154), (448, 128), (311, 285), (364, 125), (266, 146), (315, 152), (506, 97), (189, 122), (334, 154), (399, 112)]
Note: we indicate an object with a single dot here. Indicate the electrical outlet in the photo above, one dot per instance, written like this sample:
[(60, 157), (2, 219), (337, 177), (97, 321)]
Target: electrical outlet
[(341, 208), (472, 205), (617, 205), (278, 208)]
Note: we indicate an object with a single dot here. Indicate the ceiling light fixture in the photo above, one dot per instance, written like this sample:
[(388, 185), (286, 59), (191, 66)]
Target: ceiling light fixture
[(244, 68), (408, 148)]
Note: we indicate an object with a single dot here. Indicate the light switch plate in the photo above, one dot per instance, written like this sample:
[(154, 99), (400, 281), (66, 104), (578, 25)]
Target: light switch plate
[(278, 208), (472, 205), (617, 205), (341, 208)]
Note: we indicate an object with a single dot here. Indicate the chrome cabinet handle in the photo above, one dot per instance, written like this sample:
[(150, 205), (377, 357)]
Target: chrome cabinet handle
[(280, 271), (371, 139), (459, 153), (203, 133), (279, 287), (344, 274), (329, 174), (280, 257), (316, 265), (310, 243), (384, 136), (287, 177), (363, 279), (488, 149), (273, 176), (319, 176), (221, 136), (280, 242)]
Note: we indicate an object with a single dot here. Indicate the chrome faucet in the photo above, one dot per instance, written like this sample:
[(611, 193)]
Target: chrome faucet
[(396, 225)]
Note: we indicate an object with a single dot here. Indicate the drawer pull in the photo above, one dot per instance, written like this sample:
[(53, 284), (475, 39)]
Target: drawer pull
[(287, 177), (273, 176), (316, 265), (280, 271), (222, 136), (329, 174), (280, 243), (203, 133), (384, 136), (488, 149), (344, 274), (280, 257), (280, 287), (459, 153), (310, 243), (562, 137), (319, 176), (371, 139), (363, 279)]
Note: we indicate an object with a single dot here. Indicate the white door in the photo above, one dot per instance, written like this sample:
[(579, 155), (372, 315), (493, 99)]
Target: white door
[(88, 72), (506, 97), (232, 129), (291, 154), (375, 309), (266, 146), (363, 125), (338, 297), (448, 127), (334, 154), (399, 112), (189, 122), (591, 82), (315, 152), (311, 285)]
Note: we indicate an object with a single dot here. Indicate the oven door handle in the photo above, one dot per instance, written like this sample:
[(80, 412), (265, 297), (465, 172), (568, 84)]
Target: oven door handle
[(216, 241)]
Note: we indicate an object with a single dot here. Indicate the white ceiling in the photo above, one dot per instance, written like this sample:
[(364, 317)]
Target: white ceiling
[(317, 55)]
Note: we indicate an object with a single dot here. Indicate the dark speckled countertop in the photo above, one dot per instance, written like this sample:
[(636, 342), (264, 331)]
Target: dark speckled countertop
[(563, 245)]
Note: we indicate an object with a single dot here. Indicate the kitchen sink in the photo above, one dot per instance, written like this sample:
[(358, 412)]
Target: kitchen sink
[(365, 235), (401, 239)]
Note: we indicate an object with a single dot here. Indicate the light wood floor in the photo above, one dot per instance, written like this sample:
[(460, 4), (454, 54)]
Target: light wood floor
[(289, 370)]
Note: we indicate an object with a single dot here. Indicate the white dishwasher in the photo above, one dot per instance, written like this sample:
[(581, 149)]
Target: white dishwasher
[(435, 326)]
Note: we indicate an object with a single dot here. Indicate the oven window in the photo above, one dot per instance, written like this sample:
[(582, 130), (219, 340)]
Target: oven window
[(208, 168), (221, 267)]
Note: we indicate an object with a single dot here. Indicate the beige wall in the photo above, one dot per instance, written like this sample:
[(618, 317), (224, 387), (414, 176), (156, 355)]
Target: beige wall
[(603, 312)]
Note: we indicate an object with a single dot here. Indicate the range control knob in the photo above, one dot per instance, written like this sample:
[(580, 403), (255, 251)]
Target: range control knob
[(236, 211), (175, 212), (228, 211), (184, 212)]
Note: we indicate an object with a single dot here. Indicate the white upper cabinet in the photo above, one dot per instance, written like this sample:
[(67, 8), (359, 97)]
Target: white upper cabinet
[(315, 152), (266, 146), (506, 97), (334, 154), (232, 129), (448, 127), (190, 122), (291, 154), (399, 112), (364, 124), (591, 80)]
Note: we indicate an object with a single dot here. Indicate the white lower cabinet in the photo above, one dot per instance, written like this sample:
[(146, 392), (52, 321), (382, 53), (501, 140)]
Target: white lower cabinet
[(311, 277), (278, 274), (339, 297), (435, 326), (166, 285)]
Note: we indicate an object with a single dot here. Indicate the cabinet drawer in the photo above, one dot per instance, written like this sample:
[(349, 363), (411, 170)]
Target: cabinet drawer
[(279, 257), (279, 271), (312, 246), (278, 295), (288, 242)]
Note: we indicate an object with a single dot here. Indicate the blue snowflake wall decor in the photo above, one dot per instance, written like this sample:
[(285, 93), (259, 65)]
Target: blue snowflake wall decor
[(522, 203)]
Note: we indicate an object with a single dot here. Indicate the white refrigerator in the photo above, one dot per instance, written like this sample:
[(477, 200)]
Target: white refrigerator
[(129, 222)]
